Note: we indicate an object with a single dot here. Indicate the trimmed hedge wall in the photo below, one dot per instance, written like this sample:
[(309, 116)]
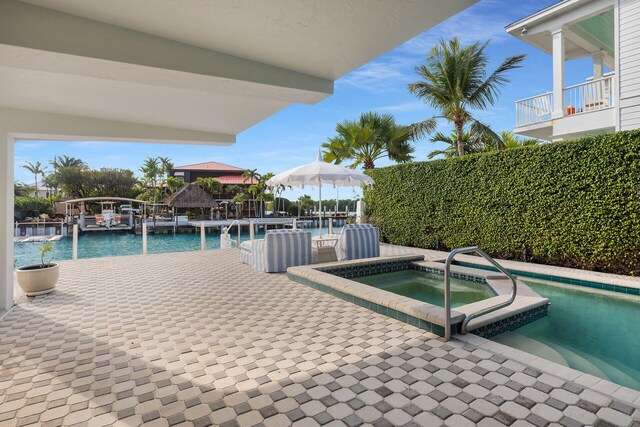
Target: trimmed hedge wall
[(573, 203)]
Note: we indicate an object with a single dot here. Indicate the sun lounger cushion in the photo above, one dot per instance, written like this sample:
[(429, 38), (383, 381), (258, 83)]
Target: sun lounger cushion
[(358, 241), (278, 250)]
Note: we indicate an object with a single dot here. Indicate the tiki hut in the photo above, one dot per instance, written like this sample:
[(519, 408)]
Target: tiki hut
[(189, 197)]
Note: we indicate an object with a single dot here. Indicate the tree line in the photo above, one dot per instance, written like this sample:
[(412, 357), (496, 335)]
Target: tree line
[(453, 80)]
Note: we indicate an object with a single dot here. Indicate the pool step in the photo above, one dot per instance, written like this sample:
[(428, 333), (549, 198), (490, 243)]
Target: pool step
[(530, 345)]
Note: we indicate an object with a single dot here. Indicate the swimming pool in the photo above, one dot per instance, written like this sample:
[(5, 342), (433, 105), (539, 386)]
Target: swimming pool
[(591, 330), (428, 287), (98, 245)]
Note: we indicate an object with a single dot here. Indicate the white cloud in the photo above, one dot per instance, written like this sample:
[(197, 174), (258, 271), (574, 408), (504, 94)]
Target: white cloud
[(483, 21), (404, 107)]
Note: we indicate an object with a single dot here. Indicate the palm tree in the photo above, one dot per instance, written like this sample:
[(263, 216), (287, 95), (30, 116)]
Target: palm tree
[(239, 200), (470, 145), (151, 171), (262, 189), (368, 139), (65, 161), (510, 140), (166, 166), (454, 80), (174, 184), (36, 169), (251, 176)]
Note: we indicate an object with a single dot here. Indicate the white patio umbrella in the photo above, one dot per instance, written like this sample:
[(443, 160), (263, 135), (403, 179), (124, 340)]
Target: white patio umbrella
[(319, 173)]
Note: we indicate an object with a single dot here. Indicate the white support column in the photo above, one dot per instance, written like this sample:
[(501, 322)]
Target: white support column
[(203, 237), (558, 73), (6, 220), (144, 237), (74, 247), (598, 64)]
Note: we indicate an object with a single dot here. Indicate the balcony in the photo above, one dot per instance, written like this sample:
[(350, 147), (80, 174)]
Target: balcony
[(586, 108)]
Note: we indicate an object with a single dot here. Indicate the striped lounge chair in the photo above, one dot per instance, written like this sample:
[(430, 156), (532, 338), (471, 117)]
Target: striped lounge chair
[(358, 241), (278, 250)]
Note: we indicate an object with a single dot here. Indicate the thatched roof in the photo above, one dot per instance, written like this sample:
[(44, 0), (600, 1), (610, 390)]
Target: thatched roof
[(191, 196)]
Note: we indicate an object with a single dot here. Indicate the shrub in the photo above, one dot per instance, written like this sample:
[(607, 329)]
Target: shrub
[(31, 206), (573, 203)]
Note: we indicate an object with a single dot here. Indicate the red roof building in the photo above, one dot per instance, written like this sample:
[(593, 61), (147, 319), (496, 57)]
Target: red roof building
[(226, 174)]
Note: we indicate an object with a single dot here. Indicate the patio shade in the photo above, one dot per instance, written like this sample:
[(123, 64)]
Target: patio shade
[(318, 173)]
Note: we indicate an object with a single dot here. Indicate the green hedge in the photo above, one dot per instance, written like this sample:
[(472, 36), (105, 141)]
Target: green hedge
[(31, 206), (573, 203)]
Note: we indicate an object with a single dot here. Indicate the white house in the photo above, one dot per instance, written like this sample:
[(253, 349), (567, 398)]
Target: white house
[(608, 31), (179, 71)]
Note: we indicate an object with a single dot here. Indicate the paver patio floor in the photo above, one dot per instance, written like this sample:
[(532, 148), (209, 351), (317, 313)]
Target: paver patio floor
[(199, 338)]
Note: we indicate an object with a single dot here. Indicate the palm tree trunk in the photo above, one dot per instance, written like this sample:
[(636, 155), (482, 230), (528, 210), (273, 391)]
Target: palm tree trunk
[(459, 138), (368, 163), (36, 189)]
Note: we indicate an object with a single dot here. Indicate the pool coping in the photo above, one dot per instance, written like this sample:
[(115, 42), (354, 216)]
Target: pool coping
[(587, 278), (588, 381), (426, 316)]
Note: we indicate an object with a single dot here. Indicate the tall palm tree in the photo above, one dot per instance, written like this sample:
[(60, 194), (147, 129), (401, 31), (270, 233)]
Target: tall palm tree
[(36, 169), (262, 188), (151, 171), (251, 176), (454, 80), (166, 165), (368, 139)]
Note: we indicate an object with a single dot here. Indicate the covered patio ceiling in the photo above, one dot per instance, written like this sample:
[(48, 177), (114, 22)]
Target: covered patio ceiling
[(588, 25), (214, 67)]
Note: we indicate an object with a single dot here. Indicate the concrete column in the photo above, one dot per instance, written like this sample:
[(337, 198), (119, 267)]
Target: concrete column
[(598, 64), (74, 247), (558, 73), (6, 220), (359, 211)]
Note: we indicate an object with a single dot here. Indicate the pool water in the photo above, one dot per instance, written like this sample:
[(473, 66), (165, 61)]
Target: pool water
[(428, 287), (97, 245), (593, 331)]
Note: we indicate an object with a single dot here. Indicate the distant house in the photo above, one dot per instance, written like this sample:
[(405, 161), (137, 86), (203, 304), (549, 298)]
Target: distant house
[(43, 191), (608, 32), (225, 174)]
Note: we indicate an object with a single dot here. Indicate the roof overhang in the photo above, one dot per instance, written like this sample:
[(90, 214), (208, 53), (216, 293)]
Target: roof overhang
[(570, 15), (216, 68)]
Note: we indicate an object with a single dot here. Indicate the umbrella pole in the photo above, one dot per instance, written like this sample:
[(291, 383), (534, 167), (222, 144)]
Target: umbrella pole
[(320, 207)]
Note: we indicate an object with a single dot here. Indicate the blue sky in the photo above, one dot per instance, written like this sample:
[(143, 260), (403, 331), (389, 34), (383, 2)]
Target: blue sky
[(293, 136)]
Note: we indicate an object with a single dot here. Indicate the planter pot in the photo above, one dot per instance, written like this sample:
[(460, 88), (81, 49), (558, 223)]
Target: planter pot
[(35, 280)]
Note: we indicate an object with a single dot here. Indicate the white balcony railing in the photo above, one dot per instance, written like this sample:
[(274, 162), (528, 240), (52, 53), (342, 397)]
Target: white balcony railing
[(589, 96), (535, 109)]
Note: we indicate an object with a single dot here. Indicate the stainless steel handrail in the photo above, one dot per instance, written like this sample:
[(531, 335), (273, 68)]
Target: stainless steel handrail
[(228, 227), (447, 290)]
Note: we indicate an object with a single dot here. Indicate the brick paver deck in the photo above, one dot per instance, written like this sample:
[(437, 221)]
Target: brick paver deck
[(199, 338)]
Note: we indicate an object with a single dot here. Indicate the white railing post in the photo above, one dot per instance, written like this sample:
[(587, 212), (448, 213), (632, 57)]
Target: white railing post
[(144, 237), (252, 230), (295, 223), (239, 231), (330, 225), (203, 237), (74, 250)]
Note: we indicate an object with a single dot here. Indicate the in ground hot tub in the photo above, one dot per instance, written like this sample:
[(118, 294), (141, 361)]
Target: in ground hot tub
[(410, 289)]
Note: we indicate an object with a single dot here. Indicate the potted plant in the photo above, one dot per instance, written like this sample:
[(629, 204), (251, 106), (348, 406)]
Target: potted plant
[(39, 279)]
